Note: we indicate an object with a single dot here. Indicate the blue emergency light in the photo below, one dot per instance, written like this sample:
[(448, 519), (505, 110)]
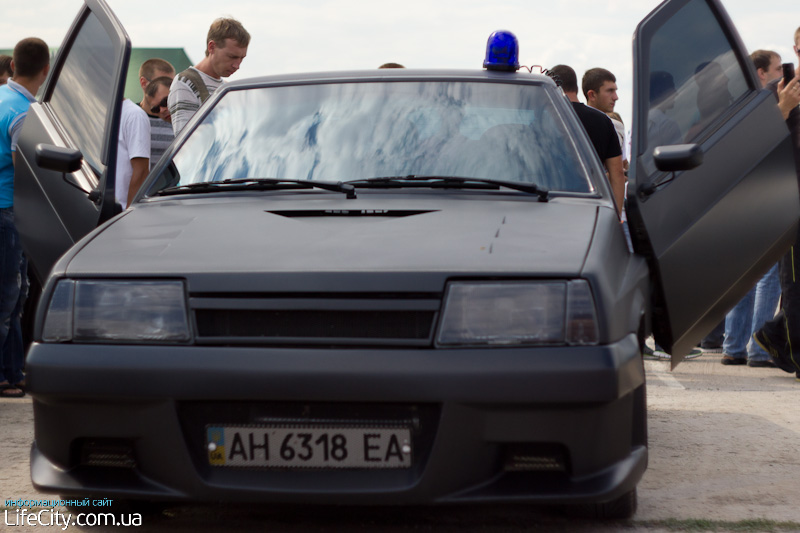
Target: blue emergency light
[(502, 52)]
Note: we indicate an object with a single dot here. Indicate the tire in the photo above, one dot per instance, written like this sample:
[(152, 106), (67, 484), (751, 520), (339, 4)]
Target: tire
[(618, 509)]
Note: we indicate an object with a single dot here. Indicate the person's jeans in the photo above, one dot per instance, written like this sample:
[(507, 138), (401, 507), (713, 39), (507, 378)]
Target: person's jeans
[(738, 323), (756, 308), (715, 337), (768, 292), (13, 291)]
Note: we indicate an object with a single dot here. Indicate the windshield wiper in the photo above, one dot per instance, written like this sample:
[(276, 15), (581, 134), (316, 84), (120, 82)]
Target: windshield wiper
[(448, 182), (260, 184)]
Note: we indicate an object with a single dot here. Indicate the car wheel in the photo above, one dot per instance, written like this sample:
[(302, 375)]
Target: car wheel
[(617, 509)]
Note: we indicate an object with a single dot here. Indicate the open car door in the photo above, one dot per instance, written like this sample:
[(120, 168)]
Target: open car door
[(724, 206), (78, 110)]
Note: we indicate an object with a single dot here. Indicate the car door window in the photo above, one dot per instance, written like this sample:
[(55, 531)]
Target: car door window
[(695, 78), (80, 96), (693, 69)]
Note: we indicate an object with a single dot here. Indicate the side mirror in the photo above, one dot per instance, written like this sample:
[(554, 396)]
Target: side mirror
[(66, 161), (678, 157), (58, 158)]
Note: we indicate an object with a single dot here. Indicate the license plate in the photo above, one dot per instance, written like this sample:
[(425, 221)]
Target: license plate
[(295, 446)]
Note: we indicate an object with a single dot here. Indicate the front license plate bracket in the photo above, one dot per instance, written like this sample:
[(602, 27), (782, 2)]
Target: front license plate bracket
[(295, 446)]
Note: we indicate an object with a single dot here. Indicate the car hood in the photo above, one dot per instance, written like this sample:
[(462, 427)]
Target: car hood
[(324, 233)]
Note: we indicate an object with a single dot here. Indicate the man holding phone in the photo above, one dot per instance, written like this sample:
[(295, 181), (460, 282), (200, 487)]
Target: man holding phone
[(758, 305), (780, 337)]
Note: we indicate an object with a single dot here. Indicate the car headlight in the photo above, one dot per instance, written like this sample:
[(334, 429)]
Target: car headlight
[(518, 313), (117, 311)]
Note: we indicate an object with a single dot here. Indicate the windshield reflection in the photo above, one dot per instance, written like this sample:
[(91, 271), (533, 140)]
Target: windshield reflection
[(350, 131)]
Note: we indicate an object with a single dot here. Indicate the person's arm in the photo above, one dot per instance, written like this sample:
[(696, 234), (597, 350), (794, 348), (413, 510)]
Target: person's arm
[(182, 103), (137, 136), (788, 97), (14, 131), (616, 176), (141, 166)]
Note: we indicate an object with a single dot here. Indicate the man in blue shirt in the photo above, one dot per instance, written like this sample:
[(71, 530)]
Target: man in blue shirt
[(31, 64)]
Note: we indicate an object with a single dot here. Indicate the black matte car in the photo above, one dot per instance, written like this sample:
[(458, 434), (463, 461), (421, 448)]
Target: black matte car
[(386, 286)]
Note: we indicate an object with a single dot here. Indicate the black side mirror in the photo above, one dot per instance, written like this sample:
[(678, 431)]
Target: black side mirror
[(678, 157), (58, 158), (66, 161)]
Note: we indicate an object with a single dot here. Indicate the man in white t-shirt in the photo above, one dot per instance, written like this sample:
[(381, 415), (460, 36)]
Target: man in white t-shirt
[(133, 152), (226, 47)]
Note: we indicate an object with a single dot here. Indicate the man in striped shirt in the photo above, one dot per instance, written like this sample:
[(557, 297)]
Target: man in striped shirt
[(155, 77), (226, 47)]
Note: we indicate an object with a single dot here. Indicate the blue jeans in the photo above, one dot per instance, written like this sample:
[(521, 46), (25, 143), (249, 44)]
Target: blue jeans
[(756, 308), (768, 293), (13, 291)]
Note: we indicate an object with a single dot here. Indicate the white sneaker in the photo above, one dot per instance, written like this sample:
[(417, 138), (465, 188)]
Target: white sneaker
[(660, 354)]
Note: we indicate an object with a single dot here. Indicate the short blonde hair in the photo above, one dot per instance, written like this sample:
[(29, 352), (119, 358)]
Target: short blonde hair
[(149, 68), (227, 28)]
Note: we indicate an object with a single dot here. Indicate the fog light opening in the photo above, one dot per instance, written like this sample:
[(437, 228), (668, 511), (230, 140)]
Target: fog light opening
[(108, 453), (535, 457)]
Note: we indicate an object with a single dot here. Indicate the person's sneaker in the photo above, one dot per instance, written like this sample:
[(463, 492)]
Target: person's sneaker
[(647, 352), (660, 354), (731, 360), (711, 348), (694, 354), (761, 363), (777, 353)]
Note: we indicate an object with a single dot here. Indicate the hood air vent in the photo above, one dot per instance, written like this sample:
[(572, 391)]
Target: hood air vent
[(305, 213)]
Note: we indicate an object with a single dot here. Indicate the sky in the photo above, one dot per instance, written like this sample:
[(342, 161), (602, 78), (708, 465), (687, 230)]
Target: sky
[(321, 35)]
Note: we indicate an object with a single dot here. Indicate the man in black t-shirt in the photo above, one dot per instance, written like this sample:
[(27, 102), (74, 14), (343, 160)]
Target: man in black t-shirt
[(600, 130)]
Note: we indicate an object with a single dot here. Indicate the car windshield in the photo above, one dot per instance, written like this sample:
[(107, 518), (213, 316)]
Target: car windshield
[(339, 132)]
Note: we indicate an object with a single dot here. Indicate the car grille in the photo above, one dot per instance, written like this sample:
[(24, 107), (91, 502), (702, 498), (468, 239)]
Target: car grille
[(396, 320)]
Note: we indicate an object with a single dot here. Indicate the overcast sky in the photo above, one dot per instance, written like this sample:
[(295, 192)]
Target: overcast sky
[(311, 35)]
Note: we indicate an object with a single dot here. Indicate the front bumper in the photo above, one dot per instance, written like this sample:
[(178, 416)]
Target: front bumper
[(471, 409)]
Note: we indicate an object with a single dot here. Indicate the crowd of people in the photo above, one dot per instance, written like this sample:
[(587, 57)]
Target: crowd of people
[(752, 334), (169, 101), (146, 130)]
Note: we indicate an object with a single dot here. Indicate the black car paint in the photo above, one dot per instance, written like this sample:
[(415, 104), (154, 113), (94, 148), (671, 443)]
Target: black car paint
[(468, 406)]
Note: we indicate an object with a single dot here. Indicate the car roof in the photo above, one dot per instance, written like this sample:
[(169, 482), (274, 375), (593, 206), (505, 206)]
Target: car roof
[(393, 74)]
